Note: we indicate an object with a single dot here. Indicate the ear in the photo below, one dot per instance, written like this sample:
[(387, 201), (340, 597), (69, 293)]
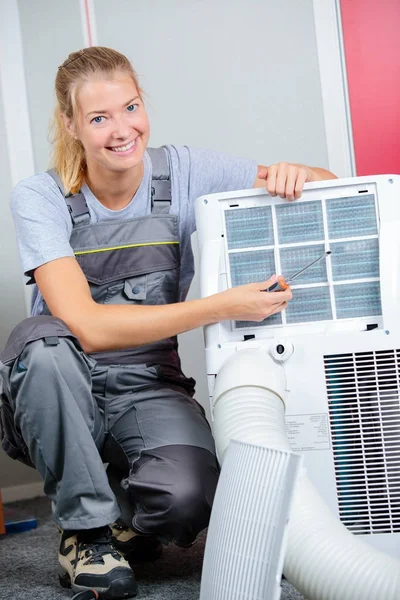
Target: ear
[(69, 126)]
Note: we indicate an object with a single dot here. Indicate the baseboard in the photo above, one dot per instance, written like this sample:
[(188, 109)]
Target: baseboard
[(22, 492)]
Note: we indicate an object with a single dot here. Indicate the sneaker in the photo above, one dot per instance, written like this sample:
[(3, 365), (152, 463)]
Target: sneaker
[(88, 560), (135, 547)]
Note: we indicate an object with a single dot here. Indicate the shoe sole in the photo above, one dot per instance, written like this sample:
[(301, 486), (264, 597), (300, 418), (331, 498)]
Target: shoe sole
[(120, 588)]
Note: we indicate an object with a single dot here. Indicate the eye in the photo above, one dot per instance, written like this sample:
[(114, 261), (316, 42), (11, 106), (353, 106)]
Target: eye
[(132, 107), (97, 120)]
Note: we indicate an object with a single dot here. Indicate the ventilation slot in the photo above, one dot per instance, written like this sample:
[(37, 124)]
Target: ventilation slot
[(364, 411)]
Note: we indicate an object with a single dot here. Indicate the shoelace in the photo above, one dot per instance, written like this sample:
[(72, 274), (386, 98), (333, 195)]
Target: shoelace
[(95, 550)]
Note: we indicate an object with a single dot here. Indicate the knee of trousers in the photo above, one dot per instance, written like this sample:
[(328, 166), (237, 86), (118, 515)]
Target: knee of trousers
[(173, 488), (33, 328), (50, 361), (44, 354)]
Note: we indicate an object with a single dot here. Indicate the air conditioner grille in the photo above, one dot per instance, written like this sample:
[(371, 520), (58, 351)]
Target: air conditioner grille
[(364, 410), (284, 238)]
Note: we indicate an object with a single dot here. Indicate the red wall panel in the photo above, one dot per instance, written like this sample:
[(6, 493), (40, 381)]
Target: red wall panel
[(371, 31)]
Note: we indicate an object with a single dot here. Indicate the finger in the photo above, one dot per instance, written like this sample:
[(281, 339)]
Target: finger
[(286, 294), (262, 173), (264, 285), (273, 279), (281, 179), (279, 308), (280, 296), (274, 310), (271, 180), (284, 289), (279, 300), (292, 175), (274, 299), (300, 181)]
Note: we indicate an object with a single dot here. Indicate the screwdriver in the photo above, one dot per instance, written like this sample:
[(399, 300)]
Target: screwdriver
[(282, 284)]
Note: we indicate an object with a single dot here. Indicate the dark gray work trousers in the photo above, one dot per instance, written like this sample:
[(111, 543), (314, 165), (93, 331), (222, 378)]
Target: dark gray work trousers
[(71, 416)]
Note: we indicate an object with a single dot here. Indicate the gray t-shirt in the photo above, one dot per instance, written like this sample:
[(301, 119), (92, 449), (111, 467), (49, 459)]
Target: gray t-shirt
[(43, 223)]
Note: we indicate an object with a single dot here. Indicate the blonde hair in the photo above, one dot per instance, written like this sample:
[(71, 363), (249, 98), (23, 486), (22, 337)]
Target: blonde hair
[(68, 157)]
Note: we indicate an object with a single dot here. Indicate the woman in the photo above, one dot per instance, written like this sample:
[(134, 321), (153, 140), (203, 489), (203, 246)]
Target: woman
[(94, 375)]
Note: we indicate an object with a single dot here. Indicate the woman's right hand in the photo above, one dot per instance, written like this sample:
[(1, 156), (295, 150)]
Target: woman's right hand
[(251, 303)]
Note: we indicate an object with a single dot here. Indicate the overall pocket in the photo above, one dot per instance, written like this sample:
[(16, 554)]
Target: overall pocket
[(11, 438), (149, 289)]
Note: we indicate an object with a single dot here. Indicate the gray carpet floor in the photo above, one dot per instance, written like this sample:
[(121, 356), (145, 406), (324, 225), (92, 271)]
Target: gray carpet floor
[(28, 565)]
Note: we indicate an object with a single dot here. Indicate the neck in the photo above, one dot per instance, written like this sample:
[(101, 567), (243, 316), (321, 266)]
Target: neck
[(114, 189)]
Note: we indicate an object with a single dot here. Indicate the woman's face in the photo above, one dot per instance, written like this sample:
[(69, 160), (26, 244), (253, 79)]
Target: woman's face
[(112, 123)]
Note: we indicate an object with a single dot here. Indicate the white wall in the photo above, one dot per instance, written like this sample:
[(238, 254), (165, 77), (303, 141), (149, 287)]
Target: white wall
[(239, 77)]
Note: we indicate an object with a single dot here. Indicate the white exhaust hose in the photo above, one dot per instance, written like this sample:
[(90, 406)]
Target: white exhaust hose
[(324, 561), (247, 532)]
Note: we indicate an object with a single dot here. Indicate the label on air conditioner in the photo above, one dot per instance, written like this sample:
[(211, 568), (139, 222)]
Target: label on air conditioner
[(308, 432)]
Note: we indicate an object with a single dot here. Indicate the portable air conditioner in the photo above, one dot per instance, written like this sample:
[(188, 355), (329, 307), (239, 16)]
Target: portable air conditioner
[(339, 339)]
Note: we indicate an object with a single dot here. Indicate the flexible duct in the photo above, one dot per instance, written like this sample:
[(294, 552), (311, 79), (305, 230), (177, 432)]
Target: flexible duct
[(247, 532), (324, 561)]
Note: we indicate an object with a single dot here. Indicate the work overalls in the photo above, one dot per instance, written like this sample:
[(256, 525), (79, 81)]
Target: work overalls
[(67, 413)]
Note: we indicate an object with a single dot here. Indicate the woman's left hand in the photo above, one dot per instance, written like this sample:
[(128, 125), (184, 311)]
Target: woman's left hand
[(287, 180)]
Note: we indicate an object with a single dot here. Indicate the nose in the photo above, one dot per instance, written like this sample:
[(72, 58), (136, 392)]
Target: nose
[(121, 128)]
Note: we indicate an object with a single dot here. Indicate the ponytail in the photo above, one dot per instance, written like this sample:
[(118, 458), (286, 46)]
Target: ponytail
[(68, 156)]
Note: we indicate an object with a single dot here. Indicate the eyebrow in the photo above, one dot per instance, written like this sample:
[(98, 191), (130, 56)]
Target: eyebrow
[(96, 112)]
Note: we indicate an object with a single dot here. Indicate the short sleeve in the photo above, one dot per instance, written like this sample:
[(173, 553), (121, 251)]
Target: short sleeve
[(42, 222), (210, 172)]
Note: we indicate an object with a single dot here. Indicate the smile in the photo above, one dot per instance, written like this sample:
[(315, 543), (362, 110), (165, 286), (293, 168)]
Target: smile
[(123, 148)]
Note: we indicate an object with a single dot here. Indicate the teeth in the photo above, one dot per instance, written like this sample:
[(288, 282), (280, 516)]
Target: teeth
[(123, 148)]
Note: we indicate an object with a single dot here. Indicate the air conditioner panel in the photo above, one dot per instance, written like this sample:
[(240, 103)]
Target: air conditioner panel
[(342, 391)]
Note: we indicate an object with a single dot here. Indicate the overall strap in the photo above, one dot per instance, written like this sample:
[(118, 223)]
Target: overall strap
[(78, 209), (160, 190), (160, 182)]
